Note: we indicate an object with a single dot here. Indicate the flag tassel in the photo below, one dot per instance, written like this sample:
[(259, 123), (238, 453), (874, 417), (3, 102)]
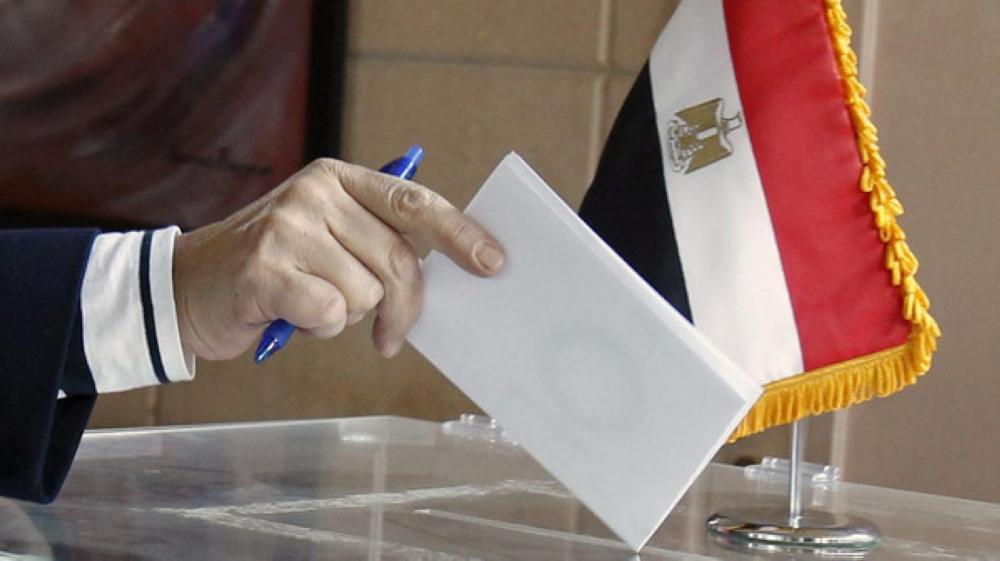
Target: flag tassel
[(879, 374)]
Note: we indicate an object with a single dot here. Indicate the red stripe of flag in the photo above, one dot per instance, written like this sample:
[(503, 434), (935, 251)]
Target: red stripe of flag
[(844, 303)]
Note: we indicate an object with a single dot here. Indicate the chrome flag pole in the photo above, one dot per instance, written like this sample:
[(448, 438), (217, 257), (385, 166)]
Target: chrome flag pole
[(795, 476)]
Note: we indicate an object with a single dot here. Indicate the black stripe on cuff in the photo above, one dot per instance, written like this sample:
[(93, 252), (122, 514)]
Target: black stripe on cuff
[(145, 294)]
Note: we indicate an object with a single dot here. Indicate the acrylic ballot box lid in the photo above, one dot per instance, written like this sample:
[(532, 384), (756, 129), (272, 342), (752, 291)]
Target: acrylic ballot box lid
[(391, 488)]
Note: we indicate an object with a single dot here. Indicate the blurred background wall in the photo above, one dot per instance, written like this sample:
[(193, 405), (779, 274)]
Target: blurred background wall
[(473, 79)]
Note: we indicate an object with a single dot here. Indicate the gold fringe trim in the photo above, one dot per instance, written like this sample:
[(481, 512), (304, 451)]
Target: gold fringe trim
[(879, 374), (830, 388)]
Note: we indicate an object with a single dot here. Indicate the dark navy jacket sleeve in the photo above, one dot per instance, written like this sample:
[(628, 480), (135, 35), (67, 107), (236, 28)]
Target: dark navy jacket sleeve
[(41, 353)]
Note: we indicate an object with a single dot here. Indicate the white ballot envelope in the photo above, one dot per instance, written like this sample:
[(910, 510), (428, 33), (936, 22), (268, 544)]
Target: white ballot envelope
[(587, 367)]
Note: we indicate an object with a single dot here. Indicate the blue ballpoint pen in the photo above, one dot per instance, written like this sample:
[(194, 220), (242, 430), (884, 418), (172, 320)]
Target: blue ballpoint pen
[(280, 331)]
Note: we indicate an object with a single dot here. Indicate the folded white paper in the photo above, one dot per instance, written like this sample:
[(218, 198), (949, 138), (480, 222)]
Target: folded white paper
[(590, 370)]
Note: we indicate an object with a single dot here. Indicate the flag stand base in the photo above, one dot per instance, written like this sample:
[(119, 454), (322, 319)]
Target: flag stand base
[(771, 529), (768, 529)]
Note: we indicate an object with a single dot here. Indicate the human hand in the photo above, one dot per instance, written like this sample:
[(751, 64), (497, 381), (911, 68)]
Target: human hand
[(330, 244)]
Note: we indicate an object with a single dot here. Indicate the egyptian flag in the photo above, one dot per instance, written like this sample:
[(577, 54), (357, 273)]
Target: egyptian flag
[(742, 180)]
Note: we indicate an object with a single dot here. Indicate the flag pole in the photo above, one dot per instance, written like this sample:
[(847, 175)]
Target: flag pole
[(790, 528), (794, 476)]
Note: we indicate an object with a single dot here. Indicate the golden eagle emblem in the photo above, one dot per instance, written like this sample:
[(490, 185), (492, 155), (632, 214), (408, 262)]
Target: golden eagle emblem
[(699, 136)]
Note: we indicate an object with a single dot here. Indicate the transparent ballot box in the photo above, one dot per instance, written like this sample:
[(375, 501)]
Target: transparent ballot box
[(389, 488)]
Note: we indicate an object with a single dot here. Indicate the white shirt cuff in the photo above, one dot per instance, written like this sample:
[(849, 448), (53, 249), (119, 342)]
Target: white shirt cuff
[(130, 333)]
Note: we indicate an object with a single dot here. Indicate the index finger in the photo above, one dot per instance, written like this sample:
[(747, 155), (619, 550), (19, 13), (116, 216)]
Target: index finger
[(427, 217)]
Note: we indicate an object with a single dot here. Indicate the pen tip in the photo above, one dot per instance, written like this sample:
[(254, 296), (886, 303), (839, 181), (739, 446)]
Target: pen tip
[(415, 154)]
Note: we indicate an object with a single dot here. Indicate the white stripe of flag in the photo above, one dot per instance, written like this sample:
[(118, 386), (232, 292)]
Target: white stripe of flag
[(733, 274)]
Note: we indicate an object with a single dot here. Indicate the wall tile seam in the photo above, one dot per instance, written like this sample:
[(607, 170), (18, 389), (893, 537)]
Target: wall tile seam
[(606, 34), (600, 105), (499, 64)]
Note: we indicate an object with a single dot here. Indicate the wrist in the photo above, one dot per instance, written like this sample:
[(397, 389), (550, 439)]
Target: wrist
[(181, 274)]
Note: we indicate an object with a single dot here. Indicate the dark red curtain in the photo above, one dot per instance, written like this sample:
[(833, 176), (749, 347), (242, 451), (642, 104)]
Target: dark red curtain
[(154, 112)]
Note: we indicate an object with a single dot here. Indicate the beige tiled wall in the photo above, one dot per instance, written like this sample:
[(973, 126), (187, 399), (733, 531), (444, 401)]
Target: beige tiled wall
[(936, 100), (547, 33), (467, 116)]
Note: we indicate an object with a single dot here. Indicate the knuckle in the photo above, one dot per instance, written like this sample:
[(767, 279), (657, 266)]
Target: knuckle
[(371, 295), (403, 261), (332, 172), (364, 297), (462, 230), (306, 190), (331, 310), (409, 201), (279, 222), (329, 166)]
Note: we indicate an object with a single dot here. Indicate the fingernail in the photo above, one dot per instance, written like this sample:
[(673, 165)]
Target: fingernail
[(489, 256), (392, 349), (355, 317)]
